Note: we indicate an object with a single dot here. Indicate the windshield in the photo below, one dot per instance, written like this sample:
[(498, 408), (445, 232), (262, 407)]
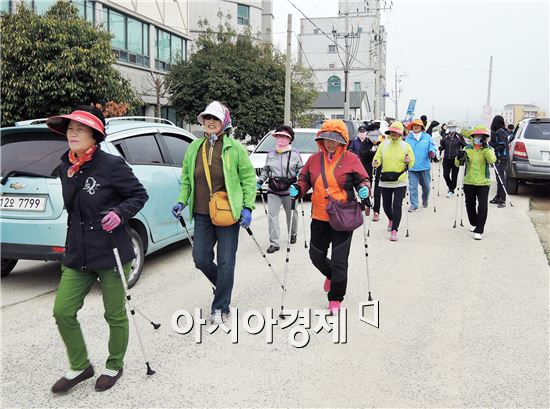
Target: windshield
[(538, 130), (38, 153), (304, 142)]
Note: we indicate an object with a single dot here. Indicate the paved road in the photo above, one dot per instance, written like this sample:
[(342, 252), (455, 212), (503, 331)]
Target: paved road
[(462, 324)]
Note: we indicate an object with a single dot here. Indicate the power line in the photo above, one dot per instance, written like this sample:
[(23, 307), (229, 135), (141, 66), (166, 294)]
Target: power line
[(326, 35)]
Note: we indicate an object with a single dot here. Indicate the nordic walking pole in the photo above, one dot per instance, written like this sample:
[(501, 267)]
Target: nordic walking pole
[(502, 184), (128, 298), (182, 221), (458, 190), (263, 200), (304, 223), (265, 257), (433, 186), (369, 204), (292, 207), (365, 204), (463, 205), (407, 211), (439, 176)]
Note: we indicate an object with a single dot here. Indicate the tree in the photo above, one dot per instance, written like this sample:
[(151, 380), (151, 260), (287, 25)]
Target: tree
[(248, 78), (54, 62)]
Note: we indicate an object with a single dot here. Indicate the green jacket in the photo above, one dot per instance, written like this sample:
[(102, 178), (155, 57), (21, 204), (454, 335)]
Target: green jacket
[(238, 172), (477, 165), (391, 155)]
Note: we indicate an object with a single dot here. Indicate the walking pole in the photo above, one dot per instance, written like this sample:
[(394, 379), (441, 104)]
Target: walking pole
[(292, 207), (407, 211), (439, 176), (182, 221), (369, 203), (304, 223), (502, 184), (263, 200), (459, 188), (365, 204), (433, 186), (128, 298), (463, 201), (249, 231)]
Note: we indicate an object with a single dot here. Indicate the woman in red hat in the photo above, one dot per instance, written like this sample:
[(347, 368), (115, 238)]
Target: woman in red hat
[(93, 182)]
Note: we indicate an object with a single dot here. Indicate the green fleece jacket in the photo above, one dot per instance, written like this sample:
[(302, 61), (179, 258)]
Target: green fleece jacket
[(238, 172), (477, 165)]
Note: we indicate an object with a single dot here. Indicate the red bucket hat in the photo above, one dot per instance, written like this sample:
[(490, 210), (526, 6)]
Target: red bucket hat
[(60, 124)]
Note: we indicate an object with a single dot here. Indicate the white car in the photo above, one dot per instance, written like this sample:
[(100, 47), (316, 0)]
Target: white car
[(304, 142)]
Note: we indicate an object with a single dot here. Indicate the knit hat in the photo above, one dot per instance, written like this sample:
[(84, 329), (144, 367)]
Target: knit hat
[(396, 127), (60, 123), (218, 110)]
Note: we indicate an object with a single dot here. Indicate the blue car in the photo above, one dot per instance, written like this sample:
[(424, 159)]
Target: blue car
[(32, 218)]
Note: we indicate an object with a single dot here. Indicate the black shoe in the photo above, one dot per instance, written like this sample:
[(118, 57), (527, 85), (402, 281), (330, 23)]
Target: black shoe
[(501, 204), (105, 382), (494, 200), (272, 249), (292, 239), (64, 384)]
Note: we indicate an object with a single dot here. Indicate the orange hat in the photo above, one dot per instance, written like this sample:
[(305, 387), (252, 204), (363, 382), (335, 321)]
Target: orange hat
[(416, 122)]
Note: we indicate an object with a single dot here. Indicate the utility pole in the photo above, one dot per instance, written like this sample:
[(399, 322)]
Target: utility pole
[(288, 74), (490, 76), (397, 91), (377, 77), (347, 66), (349, 56)]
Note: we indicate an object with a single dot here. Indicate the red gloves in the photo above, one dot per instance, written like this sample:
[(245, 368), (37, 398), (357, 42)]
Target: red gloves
[(110, 222), (431, 155)]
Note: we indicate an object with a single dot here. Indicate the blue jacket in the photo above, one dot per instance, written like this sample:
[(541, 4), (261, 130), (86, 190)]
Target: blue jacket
[(421, 150)]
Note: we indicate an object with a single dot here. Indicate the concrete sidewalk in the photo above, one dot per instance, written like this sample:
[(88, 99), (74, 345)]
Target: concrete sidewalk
[(463, 323)]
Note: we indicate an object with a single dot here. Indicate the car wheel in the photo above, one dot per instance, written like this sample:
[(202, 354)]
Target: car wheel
[(137, 263), (7, 265), (512, 186)]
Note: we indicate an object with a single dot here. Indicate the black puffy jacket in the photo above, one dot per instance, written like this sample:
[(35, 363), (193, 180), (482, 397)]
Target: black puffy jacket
[(452, 144), (104, 183)]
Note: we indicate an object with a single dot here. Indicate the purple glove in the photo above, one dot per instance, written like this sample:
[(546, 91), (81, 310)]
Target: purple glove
[(110, 221)]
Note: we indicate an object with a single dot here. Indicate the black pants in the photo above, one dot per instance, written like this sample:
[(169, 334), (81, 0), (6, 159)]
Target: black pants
[(501, 168), (377, 193), (477, 217), (450, 173), (392, 199), (336, 267)]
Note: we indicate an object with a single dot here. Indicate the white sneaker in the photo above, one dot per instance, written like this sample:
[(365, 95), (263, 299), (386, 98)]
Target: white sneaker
[(473, 229), (216, 317), (477, 236), (226, 318)]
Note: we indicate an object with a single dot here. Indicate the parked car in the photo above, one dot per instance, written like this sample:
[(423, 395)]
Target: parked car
[(33, 220), (304, 142), (529, 153)]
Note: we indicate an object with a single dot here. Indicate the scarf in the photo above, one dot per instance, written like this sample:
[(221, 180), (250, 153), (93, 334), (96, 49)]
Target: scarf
[(283, 149), (78, 161)]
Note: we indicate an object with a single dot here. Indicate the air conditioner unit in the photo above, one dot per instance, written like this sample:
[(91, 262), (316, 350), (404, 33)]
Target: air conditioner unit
[(332, 66)]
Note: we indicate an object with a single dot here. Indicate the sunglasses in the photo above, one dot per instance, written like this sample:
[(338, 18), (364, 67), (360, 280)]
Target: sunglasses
[(208, 117)]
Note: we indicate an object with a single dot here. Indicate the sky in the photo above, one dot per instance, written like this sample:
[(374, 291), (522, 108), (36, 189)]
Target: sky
[(443, 47)]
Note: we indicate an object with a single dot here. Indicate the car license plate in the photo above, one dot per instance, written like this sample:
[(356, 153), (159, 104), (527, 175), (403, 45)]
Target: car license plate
[(545, 156), (24, 203)]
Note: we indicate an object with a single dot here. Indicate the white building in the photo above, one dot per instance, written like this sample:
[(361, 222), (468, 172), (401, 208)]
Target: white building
[(256, 14), (318, 51), (150, 35)]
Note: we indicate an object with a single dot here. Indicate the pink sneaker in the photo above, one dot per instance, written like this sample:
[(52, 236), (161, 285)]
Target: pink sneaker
[(333, 307), (376, 217), (390, 224), (393, 235), (326, 285)]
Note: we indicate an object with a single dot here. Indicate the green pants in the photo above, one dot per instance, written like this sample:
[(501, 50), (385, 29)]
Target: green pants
[(73, 288)]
